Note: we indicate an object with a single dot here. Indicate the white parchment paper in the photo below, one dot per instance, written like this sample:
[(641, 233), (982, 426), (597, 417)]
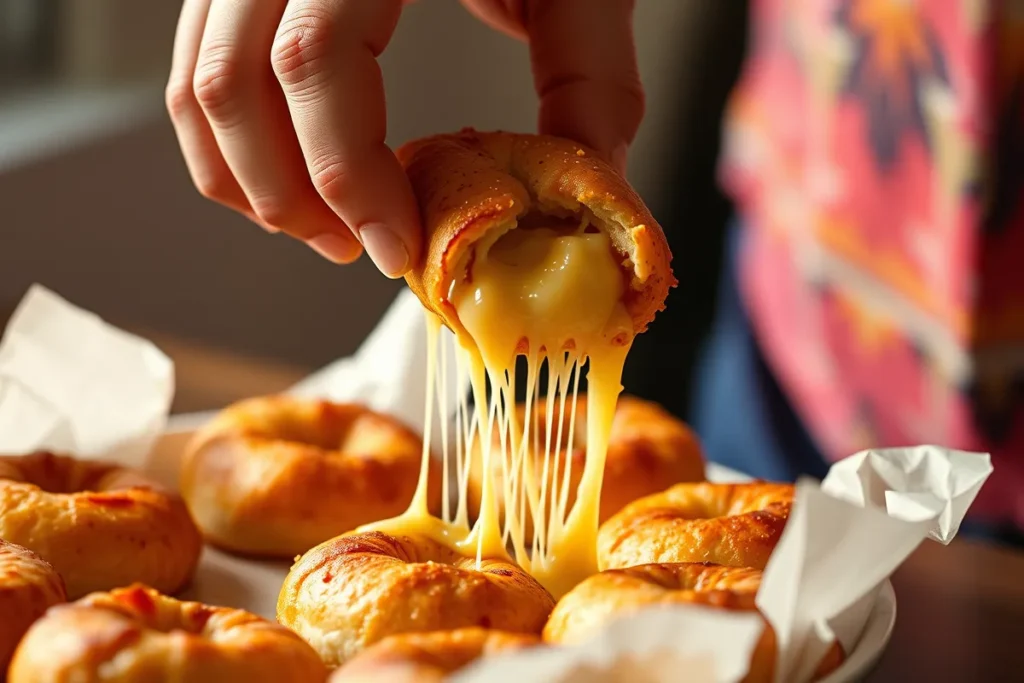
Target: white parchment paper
[(69, 381), (659, 644)]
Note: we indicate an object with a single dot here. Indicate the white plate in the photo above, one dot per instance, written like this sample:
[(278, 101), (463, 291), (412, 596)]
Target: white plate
[(224, 579)]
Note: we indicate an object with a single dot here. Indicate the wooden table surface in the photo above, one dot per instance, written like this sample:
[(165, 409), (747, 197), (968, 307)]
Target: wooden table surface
[(959, 615)]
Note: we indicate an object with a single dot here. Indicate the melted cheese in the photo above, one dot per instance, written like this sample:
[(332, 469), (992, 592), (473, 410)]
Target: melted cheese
[(417, 518), (554, 296)]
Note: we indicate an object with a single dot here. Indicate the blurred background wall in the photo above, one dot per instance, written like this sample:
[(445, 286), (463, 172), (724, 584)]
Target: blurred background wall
[(96, 203)]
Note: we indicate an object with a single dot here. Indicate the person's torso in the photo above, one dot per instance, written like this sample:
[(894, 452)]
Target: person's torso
[(876, 150)]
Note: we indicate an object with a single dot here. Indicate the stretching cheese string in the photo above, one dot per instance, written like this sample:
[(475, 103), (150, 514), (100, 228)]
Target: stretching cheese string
[(555, 298)]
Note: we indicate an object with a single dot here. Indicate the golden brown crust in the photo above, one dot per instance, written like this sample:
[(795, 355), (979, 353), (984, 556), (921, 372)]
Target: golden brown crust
[(472, 187), (100, 526), (28, 586), (428, 657), (275, 476), (614, 593), (649, 450), (736, 525), (136, 634), (352, 591)]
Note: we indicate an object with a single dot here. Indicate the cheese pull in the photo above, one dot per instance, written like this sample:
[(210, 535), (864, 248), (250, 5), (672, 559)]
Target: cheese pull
[(535, 248), (541, 291)]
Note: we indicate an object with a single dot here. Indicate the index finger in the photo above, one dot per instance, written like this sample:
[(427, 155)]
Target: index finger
[(325, 59)]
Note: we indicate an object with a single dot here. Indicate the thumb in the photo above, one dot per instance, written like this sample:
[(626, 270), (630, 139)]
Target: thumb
[(585, 71)]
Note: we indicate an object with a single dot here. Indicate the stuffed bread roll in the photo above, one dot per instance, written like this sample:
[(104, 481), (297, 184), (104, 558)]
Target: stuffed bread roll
[(473, 188)]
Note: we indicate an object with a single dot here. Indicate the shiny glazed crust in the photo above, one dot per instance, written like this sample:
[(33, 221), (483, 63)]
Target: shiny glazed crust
[(614, 593), (735, 525), (353, 591), (428, 657), (99, 525), (28, 586), (649, 450), (275, 476), (472, 187), (136, 635)]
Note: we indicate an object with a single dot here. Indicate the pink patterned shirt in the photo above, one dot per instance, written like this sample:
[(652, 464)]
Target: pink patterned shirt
[(876, 151)]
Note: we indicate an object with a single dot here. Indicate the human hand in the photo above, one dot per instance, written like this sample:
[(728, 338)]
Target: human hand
[(278, 106)]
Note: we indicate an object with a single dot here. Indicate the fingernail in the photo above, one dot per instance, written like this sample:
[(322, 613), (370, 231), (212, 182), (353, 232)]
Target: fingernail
[(335, 248), (620, 157), (384, 247)]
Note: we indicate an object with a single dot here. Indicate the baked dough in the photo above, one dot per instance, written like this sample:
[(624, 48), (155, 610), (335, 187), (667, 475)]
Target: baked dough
[(355, 590), (473, 187), (137, 635), (275, 476), (737, 525), (101, 526), (28, 586)]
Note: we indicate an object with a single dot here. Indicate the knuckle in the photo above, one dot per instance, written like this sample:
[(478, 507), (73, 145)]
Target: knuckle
[(301, 49), (212, 185), (633, 90), (328, 172), (272, 209), (178, 98), (634, 101), (216, 83)]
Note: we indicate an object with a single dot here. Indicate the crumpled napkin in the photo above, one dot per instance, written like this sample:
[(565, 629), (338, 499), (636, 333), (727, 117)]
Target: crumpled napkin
[(913, 483)]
